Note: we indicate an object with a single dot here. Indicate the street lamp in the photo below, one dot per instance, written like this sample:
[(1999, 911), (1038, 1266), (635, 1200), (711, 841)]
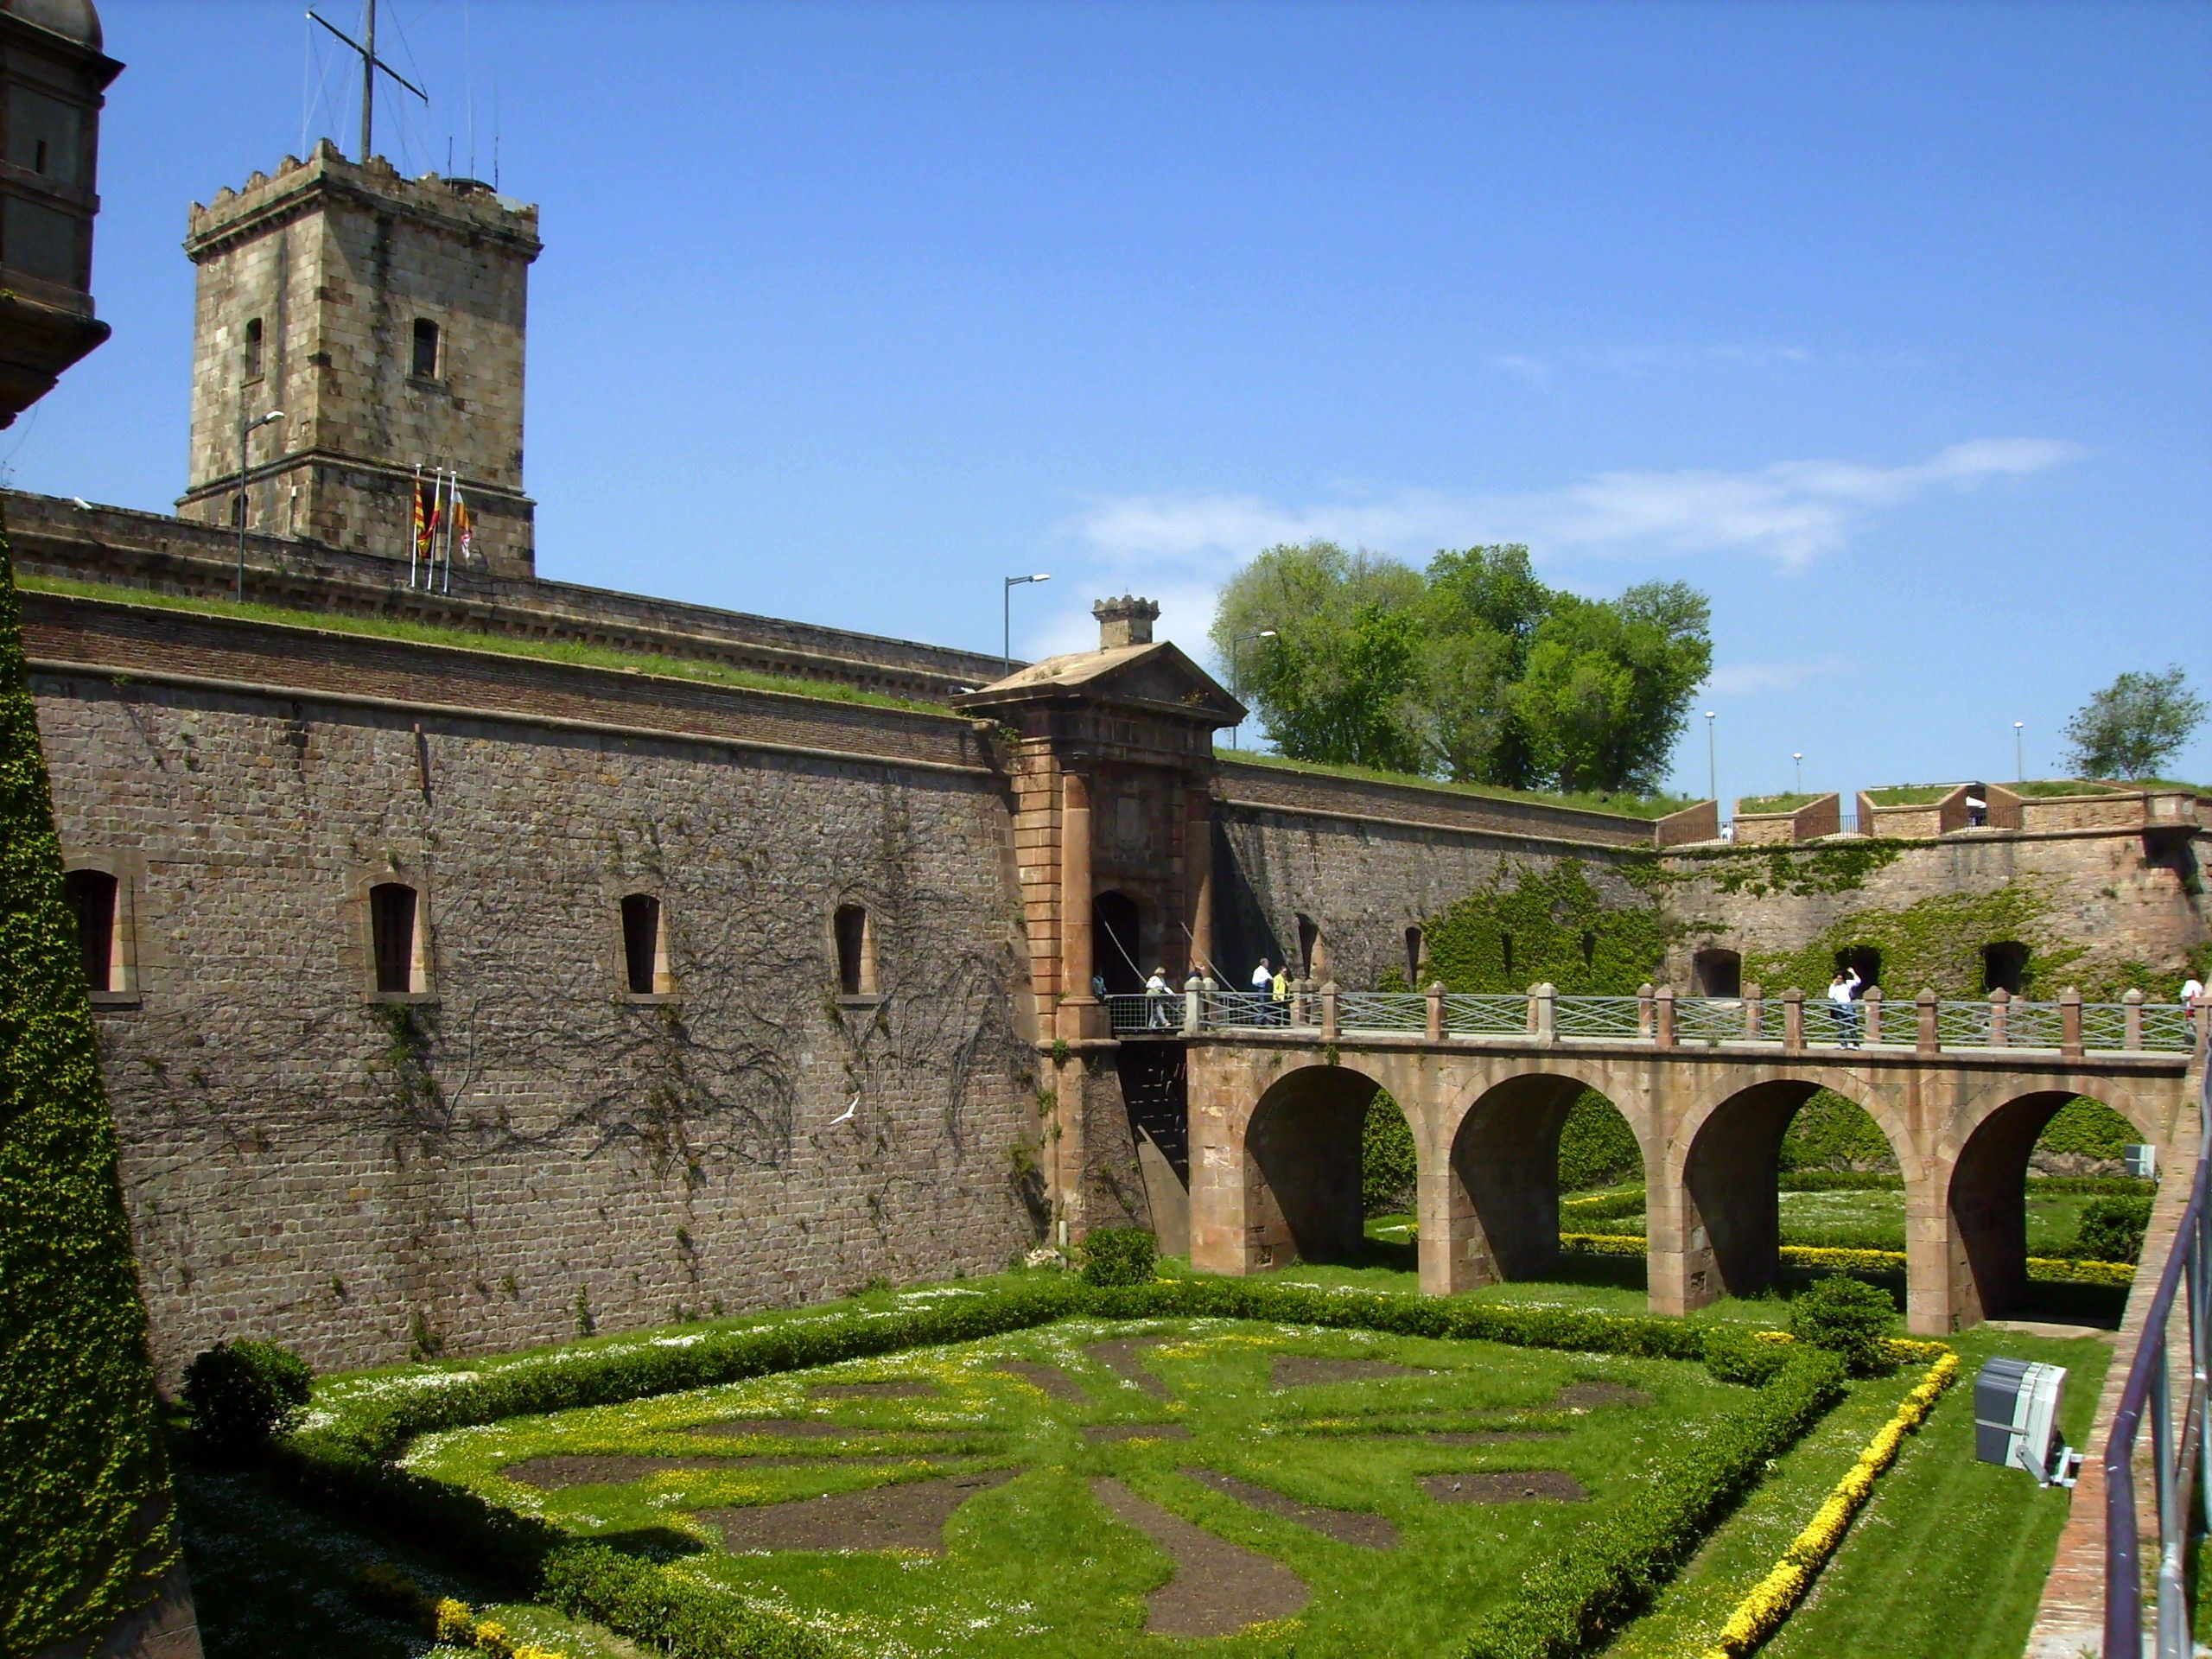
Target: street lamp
[(1712, 764), (1799, 758), (244, 428), (1006, 652), (1236, 678), (2019, 761)]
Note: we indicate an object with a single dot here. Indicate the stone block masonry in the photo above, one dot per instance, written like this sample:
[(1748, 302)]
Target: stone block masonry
[(524, 1149)]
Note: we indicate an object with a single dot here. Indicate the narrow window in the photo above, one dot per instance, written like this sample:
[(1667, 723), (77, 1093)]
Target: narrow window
[(2005, 966), (641, 945), (856, 951), (1309, 947), (1589, 949), (426, 349), (1719, 973), (391, 930), (1505, 951), (238, 511), (91, 897), (1415, 956), (253, 348)]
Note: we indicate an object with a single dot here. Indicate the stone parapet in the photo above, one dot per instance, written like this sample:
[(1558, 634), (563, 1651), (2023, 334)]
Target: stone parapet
[(1248, 785)]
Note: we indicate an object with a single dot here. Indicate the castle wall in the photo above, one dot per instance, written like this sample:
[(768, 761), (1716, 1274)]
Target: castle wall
[(527, 1145)]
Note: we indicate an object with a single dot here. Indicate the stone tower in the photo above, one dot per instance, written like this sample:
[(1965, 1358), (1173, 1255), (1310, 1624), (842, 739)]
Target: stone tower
[(385, 317)]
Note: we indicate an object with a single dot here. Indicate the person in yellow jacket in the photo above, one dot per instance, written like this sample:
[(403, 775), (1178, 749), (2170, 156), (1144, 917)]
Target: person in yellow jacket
[(1282, 992)]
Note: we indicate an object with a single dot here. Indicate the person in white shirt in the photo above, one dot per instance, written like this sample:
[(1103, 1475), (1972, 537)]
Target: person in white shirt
[(1842, 1009), (1263, 984), (2192, 993), (1156, 997)]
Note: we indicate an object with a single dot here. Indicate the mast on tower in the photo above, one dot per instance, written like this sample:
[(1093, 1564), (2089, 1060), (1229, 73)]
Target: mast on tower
[(370, 64)]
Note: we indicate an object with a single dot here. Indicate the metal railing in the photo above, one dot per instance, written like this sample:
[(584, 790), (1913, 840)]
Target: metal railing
[(1878, 1023), (2176, 1448)]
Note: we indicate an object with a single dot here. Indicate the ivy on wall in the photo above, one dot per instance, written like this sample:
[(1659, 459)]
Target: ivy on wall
[(1936, 944), (85, 1523), (1800, 872)]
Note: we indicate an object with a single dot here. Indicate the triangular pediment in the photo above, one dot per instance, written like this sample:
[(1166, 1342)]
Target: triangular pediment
[(1157, 677)]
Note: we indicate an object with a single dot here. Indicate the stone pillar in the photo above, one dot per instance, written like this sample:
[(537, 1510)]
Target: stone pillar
[(1871, 1002), (2132, 1015), (1221, 1174), (2000, 1018), (1930, 1307), (1643, 1012), (2203, 1024), (1436, 1012), (1329, 1012), (1194, 1004), (1793, 1020), (1543, 1011), (1662, 1016), (1079, 1013), (1929, 1039), (1197, 872), (2070, 1023), (1754, 1014)]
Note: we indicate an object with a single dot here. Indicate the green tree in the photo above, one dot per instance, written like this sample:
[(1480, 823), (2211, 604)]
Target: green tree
[(1607, 686), (2134, 726)]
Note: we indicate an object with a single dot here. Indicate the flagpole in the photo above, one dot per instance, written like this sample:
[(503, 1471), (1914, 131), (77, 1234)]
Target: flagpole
[(452, 489), (415, 525)]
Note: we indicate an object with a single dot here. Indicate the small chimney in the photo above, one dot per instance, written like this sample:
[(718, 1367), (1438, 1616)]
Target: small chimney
[(1125, 621)]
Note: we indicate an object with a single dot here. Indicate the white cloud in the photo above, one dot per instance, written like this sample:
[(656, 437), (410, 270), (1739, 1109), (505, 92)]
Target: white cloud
[(1534, 370), (1741, 679), (1790, 511)]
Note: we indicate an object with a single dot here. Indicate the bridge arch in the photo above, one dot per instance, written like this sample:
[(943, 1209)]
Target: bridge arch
[(1715, 1214), (1491, 1206), (1302, 1157)]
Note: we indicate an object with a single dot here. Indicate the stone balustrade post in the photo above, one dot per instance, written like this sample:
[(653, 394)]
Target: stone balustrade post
[(1644, 993), (1872, 1005), (2204, 1012), (1194, 1004), (2131, 1017), (1928, 1043), (2070, 1023), (1329, 1012), (1436, 1011), (2000, 1018), (1662, 1020), (1301, 1002), (1543, 1011), (1793, 1020), (1754, 1014)]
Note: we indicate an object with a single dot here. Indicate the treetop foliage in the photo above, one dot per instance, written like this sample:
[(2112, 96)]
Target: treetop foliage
[(2134, 726), (1474, 670)]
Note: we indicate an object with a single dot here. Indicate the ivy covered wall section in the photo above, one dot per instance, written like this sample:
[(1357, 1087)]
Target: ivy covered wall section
[(85, 1531)]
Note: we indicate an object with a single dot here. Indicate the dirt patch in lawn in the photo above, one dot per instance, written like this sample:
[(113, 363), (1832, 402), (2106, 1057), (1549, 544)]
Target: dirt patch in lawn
[(899, 1389), (1301, 1371), (1507, 1486), (1492, 1436), (614, 1469), (1099, 1434), (1346, 1526), (910, 1516), (1218, 1587), (1595, 1397), (1051, 1378), (1122, 1356), (780, 1427)]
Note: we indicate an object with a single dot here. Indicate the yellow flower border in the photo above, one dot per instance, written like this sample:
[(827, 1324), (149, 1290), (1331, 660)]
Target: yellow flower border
[(1772, 1600), (2049, 1269), (443, 1617)]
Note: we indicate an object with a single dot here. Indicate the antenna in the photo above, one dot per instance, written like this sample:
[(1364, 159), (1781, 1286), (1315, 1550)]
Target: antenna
[(370, 64)]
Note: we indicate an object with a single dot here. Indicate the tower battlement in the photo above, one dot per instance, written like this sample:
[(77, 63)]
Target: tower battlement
[(385, 316)]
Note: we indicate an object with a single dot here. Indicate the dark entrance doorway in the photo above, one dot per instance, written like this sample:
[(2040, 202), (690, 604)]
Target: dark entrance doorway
[(1117, 944)]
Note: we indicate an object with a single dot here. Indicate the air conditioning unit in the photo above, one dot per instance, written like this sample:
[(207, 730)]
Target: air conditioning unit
[(2142, 1161), (2016, 1406)]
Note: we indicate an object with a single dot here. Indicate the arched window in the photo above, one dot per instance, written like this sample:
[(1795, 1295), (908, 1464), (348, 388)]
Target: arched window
[(1589, 949), (253, 348), (91, 895), (1863, 960), (394, 938), (856, 937), (1505, 951), (2005, 966), (1416, 953), (645, 946), (425, 366), (1719, 973)]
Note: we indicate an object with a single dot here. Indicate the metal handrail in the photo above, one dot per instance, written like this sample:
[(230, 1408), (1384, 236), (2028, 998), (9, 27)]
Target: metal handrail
[(2174, 1466)]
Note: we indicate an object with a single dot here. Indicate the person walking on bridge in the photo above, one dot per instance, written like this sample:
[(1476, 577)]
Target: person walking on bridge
[(1263, 991), (1842, 1008), (1156, 996)]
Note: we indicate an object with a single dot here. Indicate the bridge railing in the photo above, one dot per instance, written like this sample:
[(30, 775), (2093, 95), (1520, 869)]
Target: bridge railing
[(2177, 1444), (1132, 1015), (2068, 1025)]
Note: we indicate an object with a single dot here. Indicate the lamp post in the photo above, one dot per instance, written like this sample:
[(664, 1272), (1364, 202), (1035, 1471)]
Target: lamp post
[(1711, 764), (1798, 756), (1237, 677), (2019, 754), (246, 427), (1005, 643)]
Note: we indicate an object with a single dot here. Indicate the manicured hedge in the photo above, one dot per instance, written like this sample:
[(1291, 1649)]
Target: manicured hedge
[(1611, 1568), (85, 1526)]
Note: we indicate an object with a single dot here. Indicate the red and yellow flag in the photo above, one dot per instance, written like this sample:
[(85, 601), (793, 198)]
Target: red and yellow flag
[(426, 516)]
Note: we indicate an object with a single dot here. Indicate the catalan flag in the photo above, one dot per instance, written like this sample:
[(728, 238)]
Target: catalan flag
[(426, 515), (464, 521)]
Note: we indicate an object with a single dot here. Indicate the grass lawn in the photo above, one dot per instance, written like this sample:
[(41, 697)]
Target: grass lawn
[(1868, 1219), (1350, 1425)]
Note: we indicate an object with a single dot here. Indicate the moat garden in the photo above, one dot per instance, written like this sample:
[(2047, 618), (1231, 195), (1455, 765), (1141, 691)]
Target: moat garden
[(1315, 1463)]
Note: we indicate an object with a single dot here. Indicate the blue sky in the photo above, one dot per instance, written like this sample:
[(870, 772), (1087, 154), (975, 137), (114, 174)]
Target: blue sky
[(1886, 324)]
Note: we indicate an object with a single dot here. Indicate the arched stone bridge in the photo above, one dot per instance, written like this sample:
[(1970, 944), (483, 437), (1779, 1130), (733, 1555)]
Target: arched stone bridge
[(1276, 1115)]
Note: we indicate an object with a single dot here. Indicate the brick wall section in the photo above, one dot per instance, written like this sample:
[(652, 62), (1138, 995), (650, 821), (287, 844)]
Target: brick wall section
[(1244, 784), (54, 537), (298, 1165), (143, 640)]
